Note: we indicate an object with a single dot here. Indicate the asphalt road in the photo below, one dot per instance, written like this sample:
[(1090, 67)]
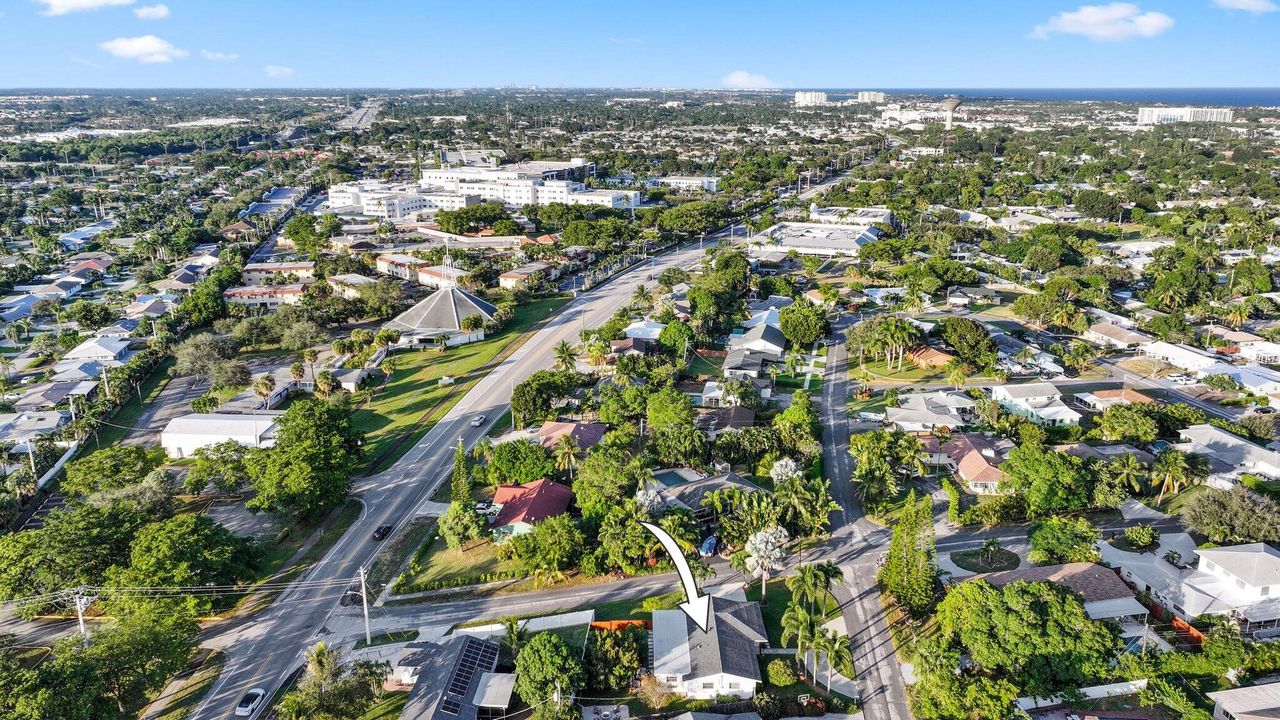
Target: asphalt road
[(265, 650)]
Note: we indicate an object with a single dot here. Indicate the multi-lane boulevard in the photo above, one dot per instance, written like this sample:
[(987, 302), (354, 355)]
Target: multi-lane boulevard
[(265, 650)]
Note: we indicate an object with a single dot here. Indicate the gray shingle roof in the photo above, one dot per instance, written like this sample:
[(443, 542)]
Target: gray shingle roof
[(442, 310), (730, 645)]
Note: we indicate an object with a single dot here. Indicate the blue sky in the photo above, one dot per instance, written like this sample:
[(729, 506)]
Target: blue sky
[(653, 43)]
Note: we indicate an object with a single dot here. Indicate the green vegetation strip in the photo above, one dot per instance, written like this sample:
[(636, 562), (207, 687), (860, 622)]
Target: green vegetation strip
[(189, 696)]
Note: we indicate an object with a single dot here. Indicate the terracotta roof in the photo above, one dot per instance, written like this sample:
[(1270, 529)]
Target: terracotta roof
[(584, 434), (531, 503), (1128, 395), (973, 465), (1092, 581)]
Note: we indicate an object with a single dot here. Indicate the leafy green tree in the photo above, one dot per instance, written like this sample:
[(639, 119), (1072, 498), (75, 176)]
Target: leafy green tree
[(308, 471), (184, 551), (614, 657), (461, 524), (623, 540), (333, 688), (803, 323), (1036, 634), (604, 478), (1238, 515), (221, 466), (1128, 423), (969, 340), (105, 469), (544, 664), (553, 547), (520, 461), (1049, 481), (1060, 539)]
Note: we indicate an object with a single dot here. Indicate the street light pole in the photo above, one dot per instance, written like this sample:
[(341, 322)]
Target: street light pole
[(364, 605)]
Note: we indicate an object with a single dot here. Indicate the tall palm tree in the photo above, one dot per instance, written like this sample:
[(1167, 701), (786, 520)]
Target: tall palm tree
[(821, 644), (804, 585), (309, 357), (566, 453), (798, 624), (990, 547), (566, 356), (264, 386), (839, 653), (1172, 468), (956, 376)]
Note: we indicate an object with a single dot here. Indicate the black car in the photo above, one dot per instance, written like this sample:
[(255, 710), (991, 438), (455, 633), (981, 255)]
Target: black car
[(381, 533), (352, 597)]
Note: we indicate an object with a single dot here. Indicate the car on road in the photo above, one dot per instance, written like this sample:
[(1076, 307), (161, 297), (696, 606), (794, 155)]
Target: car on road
[(250, 702), (830, 342), (1183, 380), (381, 533), (352, 596), (1264, 410), (477, 421)]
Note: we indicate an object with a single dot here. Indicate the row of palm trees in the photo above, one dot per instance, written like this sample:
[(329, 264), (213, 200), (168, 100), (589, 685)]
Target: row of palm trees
[(810, 587)]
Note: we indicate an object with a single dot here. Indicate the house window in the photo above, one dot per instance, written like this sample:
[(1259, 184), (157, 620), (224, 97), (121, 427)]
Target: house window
[(1265, 591), (734, 685), (708, 686)]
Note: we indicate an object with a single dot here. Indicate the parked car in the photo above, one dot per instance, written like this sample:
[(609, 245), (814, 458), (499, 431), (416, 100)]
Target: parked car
[(1264, 410), (708, 547), (381, 533), (250, 702)]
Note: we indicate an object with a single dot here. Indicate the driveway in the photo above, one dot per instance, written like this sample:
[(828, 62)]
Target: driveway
[(173, 401)]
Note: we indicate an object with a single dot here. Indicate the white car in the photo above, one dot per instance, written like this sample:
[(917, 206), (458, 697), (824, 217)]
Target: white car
[(250, 703), (477, 421), (1184, 380)]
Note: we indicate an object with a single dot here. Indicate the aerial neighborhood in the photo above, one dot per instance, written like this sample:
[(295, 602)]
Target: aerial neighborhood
[(698, 404)]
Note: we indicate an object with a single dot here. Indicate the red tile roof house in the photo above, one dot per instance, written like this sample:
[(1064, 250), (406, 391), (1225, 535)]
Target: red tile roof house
[(524, 506)]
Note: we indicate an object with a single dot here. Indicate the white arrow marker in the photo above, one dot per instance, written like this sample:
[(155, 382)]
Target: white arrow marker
[(696, 606)]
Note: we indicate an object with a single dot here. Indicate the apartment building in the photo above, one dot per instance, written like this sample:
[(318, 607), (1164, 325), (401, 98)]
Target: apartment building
[(272, 273), (269, 297)]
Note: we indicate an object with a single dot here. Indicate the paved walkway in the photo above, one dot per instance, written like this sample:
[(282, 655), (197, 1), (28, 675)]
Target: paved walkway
[(1131, 509)]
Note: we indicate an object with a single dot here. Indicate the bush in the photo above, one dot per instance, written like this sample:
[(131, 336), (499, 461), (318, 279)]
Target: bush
[(1141, 536), (769, 707), (781, 673), (955, 502)]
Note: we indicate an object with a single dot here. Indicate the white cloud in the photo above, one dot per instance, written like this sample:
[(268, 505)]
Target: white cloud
[(278, 72), (1253, 6), (62, 7), (744, 80), (144, 49), (1106, 23), (158, 11), (219, 56)]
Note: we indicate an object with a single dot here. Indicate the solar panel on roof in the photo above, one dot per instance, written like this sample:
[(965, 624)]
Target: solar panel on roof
[(450, 706)]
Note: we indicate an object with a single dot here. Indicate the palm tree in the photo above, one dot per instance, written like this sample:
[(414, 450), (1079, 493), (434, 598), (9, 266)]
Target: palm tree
[(566, 356), (990, 547), (1130, 472), (839, 652), (482, 450), (956, 376), (6, 364), (795, 361), (804, 585), (640, 298), (1237, 314), (766, 550), (821, 644), (566, 453), (297, 372), (324, 667), (309, 357), (798, 624), (264, 386), (1171, 470)]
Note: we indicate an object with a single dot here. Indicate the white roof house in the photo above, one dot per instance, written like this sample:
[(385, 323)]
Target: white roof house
[(101, 349), (1109, 334), (814, 239), (21, 427), (643, 330), (183, 436), (920, 412), (1263, 351), (1230, 455), (720, 661), (1039, 402), (1254, 378), (1180, 356), (1254, 702)]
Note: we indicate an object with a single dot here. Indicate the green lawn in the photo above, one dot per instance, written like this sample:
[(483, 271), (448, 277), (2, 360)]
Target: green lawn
[(389, 708), (436, 563), (778, 600), (797, 382), (636, 609), (973, 561), (406, 408), (874, 404), (127, 415), (1176, 504), (388, 638), (705, 366)]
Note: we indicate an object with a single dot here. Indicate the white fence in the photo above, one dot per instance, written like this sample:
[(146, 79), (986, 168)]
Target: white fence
[(1092, 693)]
